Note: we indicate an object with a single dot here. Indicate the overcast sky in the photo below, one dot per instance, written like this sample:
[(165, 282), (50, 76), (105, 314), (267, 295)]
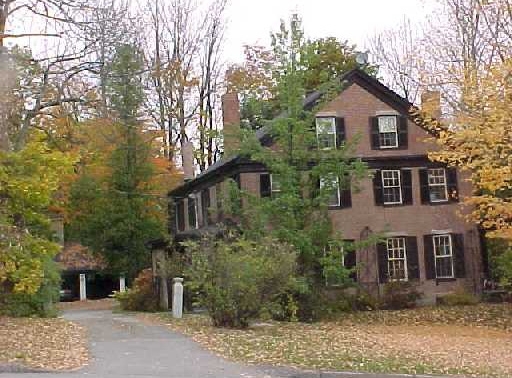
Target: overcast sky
[(250, 22)]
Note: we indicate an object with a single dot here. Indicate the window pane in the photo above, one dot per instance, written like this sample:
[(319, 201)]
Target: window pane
[(387, 124), (388, 140)]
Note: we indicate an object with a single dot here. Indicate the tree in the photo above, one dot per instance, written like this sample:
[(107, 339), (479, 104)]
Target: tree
[(320, 61), (298, 215), (478, 139), (29, 180), (115, 212)]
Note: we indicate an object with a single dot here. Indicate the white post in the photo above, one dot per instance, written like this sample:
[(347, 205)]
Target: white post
[(83, 287), (122, 284), (177, 298)]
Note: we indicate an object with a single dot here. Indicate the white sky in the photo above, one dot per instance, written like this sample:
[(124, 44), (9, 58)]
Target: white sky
[(251, 21)]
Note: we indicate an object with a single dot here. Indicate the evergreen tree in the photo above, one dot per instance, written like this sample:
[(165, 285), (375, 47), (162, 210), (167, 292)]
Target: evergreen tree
[(119, 216)]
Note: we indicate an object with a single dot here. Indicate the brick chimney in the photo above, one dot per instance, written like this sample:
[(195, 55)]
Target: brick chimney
[(187, 155), (431, 103), (231, 122)]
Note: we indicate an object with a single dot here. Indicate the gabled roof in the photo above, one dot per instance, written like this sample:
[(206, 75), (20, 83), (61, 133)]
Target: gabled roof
[(355, 76)]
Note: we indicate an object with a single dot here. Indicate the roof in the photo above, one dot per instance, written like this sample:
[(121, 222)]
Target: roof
[(355, 76), (76, 257)]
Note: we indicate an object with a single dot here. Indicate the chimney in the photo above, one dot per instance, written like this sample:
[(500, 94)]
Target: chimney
[(431, 103), (187, 156), (231, 122)]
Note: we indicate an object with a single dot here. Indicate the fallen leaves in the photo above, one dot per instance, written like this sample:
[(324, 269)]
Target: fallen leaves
[(473, 341), (50, 344)]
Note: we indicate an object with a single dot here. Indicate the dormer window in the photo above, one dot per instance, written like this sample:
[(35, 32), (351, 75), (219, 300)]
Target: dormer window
[(330, 132), (388, 132)]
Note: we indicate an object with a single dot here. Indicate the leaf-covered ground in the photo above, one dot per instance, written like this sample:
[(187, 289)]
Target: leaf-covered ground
[(473, 340), (49, 344)]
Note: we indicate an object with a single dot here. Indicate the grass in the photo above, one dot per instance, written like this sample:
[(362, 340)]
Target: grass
[(49, 344), (472, 340)]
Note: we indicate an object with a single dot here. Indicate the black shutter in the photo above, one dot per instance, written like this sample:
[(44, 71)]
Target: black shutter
[(458, 253), (424, 188), (382, 257), (377, 189), (406, 181), (265, 185), (402, 133), (192, 219), (451, 181), (413, 266), (340, 132), (428, 252), (345, 193), (374, 133)]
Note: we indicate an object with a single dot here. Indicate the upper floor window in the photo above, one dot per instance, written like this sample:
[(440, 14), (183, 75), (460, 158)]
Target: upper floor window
[(391, 187), (332, 184), (388, 132), (330, 132), (437, 185)]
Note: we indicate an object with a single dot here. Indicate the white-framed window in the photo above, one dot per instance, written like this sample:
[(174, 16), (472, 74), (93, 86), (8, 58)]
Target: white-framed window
[(443, 255), (326, 132), (388, 131), (332, 183), (438, 190), (275, 185), (397, 259), (391, 187)]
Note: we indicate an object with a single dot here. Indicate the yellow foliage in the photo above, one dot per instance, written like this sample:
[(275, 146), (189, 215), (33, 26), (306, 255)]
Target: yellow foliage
[(479, 140)]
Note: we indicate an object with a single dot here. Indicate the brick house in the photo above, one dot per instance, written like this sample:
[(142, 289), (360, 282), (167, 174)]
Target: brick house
[(413, 201)]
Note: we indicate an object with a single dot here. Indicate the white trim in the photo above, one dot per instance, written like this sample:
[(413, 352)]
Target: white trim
[(388, 187), (387, 113), (272, 190), (442, 232)]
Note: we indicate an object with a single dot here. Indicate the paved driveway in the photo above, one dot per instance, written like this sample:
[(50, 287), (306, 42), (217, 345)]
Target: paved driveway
[(122, 346)]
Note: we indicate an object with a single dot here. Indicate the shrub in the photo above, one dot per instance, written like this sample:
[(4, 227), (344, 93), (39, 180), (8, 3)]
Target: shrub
[(141, 297), (237, 278), (399, 295), (458, 298), (41, 303)]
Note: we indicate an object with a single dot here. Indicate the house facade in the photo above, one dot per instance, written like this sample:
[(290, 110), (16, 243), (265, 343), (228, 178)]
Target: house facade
[(412, 201)]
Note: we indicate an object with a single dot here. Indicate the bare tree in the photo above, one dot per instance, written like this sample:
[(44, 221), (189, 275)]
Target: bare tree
[(395, 51)]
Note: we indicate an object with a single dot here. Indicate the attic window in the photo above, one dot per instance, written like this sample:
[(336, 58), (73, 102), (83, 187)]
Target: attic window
[(326, 132), (388, 132)]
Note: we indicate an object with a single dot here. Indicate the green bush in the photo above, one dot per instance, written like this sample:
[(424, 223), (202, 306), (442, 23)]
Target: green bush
[(500, 261), (458, 298), (141, 297), (237, 279), (399, 295), (41, 304)]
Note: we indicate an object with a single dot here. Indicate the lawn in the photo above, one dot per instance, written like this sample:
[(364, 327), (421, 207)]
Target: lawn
[(472, 340), (50, 344)]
